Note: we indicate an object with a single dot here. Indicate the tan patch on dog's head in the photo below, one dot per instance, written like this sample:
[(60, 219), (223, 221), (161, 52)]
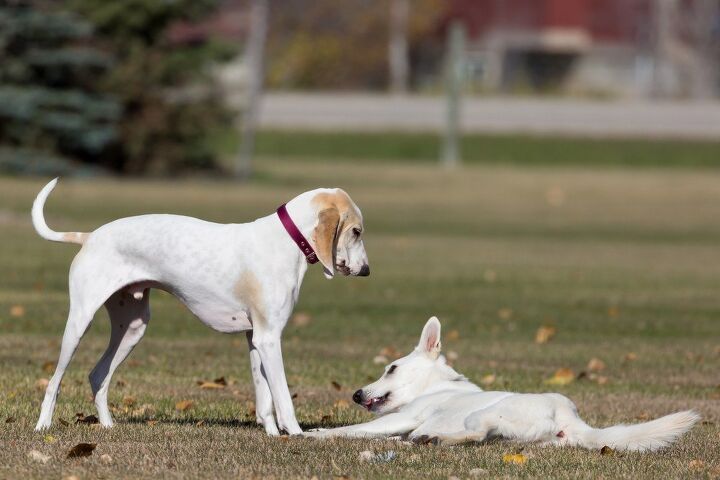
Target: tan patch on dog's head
[(337, 213), (248, 290)]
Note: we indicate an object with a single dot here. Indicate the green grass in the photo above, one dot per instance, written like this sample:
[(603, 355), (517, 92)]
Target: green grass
[(489, 149), (618, 260)]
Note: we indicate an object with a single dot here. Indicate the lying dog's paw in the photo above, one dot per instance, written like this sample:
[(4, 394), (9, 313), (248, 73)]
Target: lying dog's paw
[(315, 433)]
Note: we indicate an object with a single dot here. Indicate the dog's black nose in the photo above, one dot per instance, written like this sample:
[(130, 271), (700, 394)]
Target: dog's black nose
[(357, 396), (364, 271)]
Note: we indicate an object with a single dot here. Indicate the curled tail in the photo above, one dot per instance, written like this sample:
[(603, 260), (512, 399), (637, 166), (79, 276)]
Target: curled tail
[(41, 227), (648, 436)]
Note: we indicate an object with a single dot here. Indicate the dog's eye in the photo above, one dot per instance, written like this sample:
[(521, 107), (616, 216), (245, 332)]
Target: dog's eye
[(357, 231), (391, 369)]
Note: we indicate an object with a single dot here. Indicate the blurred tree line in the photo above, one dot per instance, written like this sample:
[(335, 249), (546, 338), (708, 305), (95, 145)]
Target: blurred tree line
[(344, 45), (98, 82)]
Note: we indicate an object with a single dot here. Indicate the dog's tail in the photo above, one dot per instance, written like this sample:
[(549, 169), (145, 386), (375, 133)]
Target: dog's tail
[(41, 227), (642, 437)]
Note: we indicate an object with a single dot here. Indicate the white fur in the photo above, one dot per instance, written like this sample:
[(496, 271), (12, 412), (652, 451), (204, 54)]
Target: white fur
[(423, 399), (234, 278)]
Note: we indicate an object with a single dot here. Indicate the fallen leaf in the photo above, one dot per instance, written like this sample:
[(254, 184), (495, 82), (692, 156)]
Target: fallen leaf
[(596, 365), (41, 383), (452, 335), (544, 334), (81, 450), (380, 360), (488, 380), (696, 465), (505, 313), (63, 422), (38, 456), (562, 376), (48, 367), (613, 312), (89, 420), (390, 352), (49, 439), (452, 355), (220, 381), (150, 422), (200, 423), (341, 404), (183, 405), (336, 385), (515, 458), (128, 401), (120, 383), (630, 357), (301, 319), (10, 420), (607, 451), (211, 386), (17, 311)]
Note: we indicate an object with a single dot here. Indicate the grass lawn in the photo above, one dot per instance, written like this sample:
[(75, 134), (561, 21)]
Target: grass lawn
[(623, 262)]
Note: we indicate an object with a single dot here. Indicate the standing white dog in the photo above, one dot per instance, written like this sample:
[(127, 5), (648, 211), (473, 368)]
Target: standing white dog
[(234, 278), (422, 398)]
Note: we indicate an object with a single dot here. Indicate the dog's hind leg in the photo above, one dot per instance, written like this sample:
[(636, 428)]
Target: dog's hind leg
[(129, 315)]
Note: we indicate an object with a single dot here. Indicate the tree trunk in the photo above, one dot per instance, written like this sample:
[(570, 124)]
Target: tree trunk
[(398, 46)]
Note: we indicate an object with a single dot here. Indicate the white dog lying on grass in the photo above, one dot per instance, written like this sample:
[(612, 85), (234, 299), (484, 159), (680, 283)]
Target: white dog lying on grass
[(421, 398)]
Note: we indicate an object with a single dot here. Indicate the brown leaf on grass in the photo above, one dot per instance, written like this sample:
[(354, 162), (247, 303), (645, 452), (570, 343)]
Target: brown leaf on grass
[(562, 376), (200, 423), (452, 335), (544, 334), (220, 381), (488, 380), (505, 313), (336, 385), (613, 312), (696, 465), (120, 384), (514, 458), (630, 357), (607, 451), (210, 385), (48, 367), (596, 365), (81, 450), (10, 420), (150, 422), (17, 311), (49, 439), (128, 400), (341, 404), (301, 319), (63, 422), (41, 383), (183, 405), (89, 420), (390, 352), (293, 396)]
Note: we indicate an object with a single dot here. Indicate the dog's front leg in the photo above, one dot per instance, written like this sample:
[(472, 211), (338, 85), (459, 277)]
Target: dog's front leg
[(263, 397), (389, 425), (267, 344)]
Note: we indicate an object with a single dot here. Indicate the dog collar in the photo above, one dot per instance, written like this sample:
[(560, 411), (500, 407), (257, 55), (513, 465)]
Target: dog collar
[(295, 234)]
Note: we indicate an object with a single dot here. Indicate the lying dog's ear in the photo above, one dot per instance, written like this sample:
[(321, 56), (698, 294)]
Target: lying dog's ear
[(325, 239), (430, 338)]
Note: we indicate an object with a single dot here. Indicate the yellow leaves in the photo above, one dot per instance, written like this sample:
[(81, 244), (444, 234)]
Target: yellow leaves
[(607, 451), (505, 313), (544, 334), (49, 439), (341, 405), (613, 312), (562, 376), (336, 385), (630, 357), (48, 367), (452, 335), (514, 458), (41, 383), (17, 311), (184, 405), (216, 384), (128, 401), (390, 352)]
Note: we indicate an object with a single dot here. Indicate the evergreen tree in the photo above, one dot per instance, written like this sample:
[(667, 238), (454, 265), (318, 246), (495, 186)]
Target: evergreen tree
[(51, 107)]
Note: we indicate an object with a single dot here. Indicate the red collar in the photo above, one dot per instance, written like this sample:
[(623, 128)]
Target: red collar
[(295, 234)]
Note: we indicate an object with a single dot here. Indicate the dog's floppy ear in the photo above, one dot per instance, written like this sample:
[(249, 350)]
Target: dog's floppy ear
[(430, 338), (325, 238)]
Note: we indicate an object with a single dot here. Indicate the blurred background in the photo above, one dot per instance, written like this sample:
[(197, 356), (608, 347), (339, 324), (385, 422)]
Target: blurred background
[(180, 87)]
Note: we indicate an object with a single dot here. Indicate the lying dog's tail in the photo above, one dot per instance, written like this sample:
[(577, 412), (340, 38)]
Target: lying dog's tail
[(41, 227), (642, 437)]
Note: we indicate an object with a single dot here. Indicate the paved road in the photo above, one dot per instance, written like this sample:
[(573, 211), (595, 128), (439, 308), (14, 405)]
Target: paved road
[(369, 112)]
